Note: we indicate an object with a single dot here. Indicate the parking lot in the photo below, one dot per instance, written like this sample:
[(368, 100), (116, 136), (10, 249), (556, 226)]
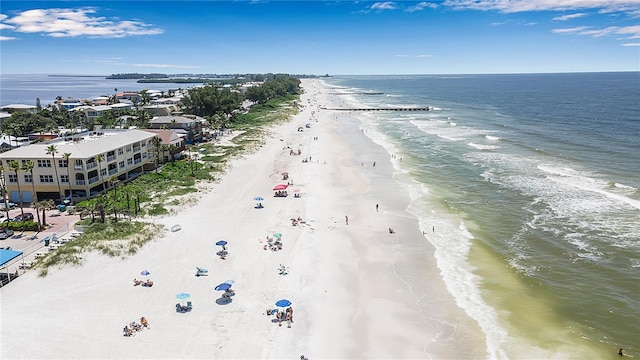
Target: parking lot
[(31, 243)]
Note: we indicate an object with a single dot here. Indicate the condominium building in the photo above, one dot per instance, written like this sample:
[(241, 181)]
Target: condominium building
[(95, 159)]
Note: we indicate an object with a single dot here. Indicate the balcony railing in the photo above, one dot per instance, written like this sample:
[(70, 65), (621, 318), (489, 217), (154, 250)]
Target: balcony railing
[(111, 158), (113, 171), (137, 161), (77, 167), (80, 182), (93, 180), (91, 165)]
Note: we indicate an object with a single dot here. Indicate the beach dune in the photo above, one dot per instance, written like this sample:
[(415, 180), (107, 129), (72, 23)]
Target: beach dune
[(357, 291)]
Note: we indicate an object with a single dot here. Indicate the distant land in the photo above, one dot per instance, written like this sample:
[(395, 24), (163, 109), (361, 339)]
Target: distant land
[(200, 78)]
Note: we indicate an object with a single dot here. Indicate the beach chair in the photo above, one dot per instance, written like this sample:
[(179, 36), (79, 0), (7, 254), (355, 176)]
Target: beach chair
[(189, 306), (201, 271), (183, 309)]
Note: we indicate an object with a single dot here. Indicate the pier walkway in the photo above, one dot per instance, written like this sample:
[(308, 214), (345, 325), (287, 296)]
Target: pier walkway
[(425, 108), (354, 93)]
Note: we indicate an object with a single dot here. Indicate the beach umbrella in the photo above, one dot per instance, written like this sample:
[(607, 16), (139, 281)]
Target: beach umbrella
[(280, 187), (258, 198), (183, 296), (145, 273), (283, 303), (296, 190), (221, 243), (222, 287), (277, 235)]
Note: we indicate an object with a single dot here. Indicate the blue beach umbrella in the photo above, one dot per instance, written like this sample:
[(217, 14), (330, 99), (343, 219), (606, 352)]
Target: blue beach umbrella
[(277, 235), (221, 243), (183, 296), (223, 287), (283, 303), (230, 282), (145, 273), (258, 198)]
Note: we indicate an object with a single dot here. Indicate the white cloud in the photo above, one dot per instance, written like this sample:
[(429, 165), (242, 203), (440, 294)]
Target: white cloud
[(630, 32), (421, 6), (425, 56), (387, 5), (569, 16), (6, 38), (76, 22), (402, 55), (577, 29), (631, 44), (511, 6)]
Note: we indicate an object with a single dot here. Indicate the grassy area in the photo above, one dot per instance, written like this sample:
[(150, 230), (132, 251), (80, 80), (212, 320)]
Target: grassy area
[(156, 193), (120, 238)]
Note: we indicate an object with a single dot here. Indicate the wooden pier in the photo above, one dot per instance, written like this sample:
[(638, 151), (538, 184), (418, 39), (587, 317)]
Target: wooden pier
[(425, 108), (355, 93)]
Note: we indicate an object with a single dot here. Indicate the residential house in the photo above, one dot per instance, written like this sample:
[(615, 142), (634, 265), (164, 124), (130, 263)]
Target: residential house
[(11, 108), (162, 110), (172, 141), (187, 124), (126, 154)]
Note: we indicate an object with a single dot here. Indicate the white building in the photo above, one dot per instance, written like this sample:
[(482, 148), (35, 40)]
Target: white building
[(95, 158)]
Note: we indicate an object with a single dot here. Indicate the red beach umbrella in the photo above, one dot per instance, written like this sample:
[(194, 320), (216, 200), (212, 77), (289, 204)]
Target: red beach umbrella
[(280, 187)]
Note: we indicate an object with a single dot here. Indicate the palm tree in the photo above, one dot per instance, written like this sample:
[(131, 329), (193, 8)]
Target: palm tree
[(113, 181), (157, 144), (172, 151), (67, 157), (28, 166), (3, 189), (100, 158), (15, 167), (45, 205), (53, 150)]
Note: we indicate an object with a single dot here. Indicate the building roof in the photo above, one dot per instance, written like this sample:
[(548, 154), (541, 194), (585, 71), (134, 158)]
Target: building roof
[(167, 136), (88, 145), (18, 106), (169, 120)]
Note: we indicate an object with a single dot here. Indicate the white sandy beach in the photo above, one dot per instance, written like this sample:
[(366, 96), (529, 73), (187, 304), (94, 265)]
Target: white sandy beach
[(357, 291)]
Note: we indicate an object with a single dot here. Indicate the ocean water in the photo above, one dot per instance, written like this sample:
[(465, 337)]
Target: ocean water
[(24, 89), (528, 187)]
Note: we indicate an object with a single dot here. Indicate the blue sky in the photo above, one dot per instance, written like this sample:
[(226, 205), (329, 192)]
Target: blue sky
[(319, 37)]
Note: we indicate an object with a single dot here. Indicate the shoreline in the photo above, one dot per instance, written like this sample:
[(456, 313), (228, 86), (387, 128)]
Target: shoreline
[(358, 291)]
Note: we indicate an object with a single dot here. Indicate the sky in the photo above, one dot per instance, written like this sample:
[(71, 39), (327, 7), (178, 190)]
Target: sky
[(319, 37)]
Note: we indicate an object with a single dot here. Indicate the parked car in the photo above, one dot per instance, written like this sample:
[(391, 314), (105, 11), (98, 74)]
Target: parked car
[(5, 234), (4, 204), (23, 217)]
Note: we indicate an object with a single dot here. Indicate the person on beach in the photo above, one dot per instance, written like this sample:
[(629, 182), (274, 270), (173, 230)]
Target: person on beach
[(290, 312), (376, 207), (288, 319), (346, 219), (126, 331), (144, 322), (620, 352)]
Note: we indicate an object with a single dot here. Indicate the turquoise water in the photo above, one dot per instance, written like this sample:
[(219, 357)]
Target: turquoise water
[(531, 183)]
